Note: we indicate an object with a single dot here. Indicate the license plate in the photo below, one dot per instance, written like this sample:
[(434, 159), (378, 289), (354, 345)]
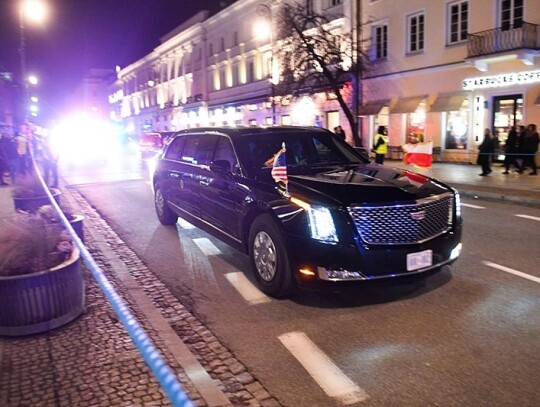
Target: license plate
[(419, 260)]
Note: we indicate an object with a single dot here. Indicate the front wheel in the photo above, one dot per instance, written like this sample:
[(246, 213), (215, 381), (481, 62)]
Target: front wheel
[(270, 259), (165, 215)]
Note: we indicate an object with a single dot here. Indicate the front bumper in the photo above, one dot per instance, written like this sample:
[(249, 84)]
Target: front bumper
[(319, 265)]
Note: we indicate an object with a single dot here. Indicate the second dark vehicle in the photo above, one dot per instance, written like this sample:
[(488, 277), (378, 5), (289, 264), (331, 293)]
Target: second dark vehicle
[(306, 207)]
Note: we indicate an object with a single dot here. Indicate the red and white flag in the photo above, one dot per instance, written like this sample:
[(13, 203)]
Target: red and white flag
[(419, 155)]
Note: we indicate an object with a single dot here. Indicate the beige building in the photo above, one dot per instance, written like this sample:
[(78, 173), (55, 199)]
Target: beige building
[(214, 70), (444, 70)]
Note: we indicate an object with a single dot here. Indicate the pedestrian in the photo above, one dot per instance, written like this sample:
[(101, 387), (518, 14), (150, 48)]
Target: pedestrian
[(9, 147), (338, 131), (24, 153), (380, 145), (4, 164), (485, 151), (49, 160), (530, 148), (520, 154), (511, 151)]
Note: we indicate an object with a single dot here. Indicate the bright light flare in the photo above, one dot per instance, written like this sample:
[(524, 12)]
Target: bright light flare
[(262, 30), (84, 139), (34, 10)]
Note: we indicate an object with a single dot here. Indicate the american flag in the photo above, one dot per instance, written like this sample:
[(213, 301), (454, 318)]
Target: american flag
[(279, 168)]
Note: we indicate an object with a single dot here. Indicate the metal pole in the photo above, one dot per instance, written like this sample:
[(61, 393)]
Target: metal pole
[(266, 10), (22, 51)]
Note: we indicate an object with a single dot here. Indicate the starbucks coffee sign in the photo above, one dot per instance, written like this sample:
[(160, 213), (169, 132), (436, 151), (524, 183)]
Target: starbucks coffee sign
[(507, 79)]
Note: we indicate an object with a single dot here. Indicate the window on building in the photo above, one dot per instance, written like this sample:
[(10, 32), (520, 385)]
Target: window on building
[(222, 44), (458, 22), (236, 38), (511, 14), (415, 32), (251, 71), (211, 49), (380, 42), (335, 2)]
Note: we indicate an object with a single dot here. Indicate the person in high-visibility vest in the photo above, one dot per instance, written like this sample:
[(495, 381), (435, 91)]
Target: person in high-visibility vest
[(380, 145)]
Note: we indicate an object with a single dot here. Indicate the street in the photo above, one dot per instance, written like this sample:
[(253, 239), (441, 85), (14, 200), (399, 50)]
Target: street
[(464, 336)]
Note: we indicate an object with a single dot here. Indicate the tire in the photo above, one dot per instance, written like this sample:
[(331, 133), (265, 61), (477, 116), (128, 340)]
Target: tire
[(270, 259), (165, 215)]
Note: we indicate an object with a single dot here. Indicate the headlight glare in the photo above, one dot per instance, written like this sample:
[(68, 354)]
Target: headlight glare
[(322, 225)]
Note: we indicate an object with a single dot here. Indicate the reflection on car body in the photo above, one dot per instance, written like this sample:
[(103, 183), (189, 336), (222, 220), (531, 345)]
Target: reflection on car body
[(338, 220)]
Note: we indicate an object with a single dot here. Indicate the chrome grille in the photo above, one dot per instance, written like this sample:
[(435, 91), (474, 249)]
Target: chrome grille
[(404, 224)]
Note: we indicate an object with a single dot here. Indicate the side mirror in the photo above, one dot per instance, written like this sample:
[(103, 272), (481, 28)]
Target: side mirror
[(220, 166)]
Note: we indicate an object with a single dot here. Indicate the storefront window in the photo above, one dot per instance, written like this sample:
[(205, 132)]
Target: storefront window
[(416, 124), (457, 128)]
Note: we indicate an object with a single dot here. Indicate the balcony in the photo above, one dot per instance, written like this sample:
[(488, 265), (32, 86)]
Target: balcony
[(524, 40)]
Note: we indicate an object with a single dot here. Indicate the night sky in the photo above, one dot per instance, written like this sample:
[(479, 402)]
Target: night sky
[(83, 34)]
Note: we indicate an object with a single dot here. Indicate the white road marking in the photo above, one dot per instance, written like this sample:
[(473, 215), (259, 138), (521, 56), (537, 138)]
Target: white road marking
[(184, 224), (512, 271), (327, 375), (248, 291), (472, 206), (206, 246), (529, 217)]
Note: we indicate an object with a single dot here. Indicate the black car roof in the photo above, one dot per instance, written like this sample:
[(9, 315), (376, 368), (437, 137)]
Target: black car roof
[(239, 131)]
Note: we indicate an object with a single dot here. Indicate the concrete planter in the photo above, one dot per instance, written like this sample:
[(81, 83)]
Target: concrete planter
[(38, 302), (34, 203)]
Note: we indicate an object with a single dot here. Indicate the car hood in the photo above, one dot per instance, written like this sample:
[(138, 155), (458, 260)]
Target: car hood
[(365, 183)]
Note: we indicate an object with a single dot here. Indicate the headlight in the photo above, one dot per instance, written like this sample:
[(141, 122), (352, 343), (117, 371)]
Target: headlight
[(321, 223), (458, 203)]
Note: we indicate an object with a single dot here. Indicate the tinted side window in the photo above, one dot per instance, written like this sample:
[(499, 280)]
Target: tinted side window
[(188, 154), (174, 152), (224, 151), (204, 151)]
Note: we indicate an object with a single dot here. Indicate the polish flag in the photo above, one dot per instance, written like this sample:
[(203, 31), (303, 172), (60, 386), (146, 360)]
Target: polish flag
[(419, 155)]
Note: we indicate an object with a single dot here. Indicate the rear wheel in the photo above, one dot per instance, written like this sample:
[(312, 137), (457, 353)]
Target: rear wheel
[(165, 215), (270, 259)]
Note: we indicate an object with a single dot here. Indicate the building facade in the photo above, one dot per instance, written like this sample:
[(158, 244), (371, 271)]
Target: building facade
[(439, 70), (444, 70), (213, 70)]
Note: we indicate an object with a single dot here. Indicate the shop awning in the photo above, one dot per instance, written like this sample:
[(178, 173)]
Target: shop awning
[(537, 101), (373, 107), (449, 102), (407, 105)]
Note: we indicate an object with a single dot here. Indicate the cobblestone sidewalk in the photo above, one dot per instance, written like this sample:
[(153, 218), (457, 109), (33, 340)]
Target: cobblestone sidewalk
[(93, 362)]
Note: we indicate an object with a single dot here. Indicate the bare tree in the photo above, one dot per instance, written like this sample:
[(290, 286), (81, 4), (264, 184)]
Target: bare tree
[(315, 54)]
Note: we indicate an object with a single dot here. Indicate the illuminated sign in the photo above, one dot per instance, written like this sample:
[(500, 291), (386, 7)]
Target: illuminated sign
[(508, 79)]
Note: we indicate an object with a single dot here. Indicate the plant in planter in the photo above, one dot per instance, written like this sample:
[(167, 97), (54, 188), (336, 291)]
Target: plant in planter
[(29, 193), (41, 283), (48, 213)]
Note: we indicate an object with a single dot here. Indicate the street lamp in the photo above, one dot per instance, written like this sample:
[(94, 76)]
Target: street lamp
[(266, 30), (32, 10)]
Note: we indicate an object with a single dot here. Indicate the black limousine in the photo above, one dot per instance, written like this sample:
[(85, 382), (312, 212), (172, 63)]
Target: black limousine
[(306, 207)]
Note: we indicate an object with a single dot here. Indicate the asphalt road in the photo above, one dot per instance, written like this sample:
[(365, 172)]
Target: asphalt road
[(466, 336)]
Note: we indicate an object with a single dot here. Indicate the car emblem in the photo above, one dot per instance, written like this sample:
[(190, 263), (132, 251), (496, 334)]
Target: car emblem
[(421, 215)]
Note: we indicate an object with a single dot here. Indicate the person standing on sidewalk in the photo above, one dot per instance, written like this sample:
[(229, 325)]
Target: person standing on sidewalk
[(485, 151), (9, 146), (49, 159), (511, 151), (380, 145), (530, 148), (4, 163)]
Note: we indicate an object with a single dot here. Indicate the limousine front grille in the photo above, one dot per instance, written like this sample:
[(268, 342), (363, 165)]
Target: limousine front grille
[(404, 224)]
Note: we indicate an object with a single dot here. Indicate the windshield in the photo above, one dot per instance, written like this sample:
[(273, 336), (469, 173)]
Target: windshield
[(303, 149)]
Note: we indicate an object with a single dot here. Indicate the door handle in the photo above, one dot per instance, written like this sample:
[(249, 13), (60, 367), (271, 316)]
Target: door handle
[(204, 182)]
